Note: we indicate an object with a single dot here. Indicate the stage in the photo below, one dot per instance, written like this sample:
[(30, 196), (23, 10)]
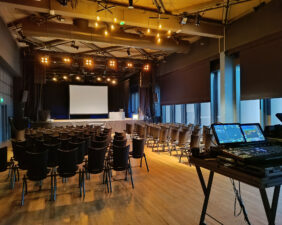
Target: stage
[(116, 125)]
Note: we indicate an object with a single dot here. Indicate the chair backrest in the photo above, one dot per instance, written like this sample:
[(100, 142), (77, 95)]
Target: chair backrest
[(3, 159), (99, 144), (96, 159), (67, 160), (52, 153), (80, 145), (37, 165), (183, 137), (120, 157), (174, 134), (164, 134), (195, 141), (129, 128), (138, 147), (15, 148), (156, 132), (120, 142)]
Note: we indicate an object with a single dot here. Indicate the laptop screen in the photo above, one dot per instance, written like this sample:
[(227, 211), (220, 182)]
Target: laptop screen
[(252, 132), (228, 133)]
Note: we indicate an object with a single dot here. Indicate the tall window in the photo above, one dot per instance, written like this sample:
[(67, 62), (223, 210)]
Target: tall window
[(190, 113), (206, 114), (276, 107), (178, 114), (215, 96), (134, 102), (250, 111)]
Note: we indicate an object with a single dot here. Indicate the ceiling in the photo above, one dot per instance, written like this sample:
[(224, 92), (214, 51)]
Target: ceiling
[(47, 25)]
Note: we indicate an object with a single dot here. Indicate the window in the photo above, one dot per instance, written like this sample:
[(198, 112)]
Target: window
[(168, 114), (215, 96), (190, 113), (205, 114), (250, 111), (276, 107), (134, 102), (178, 114)]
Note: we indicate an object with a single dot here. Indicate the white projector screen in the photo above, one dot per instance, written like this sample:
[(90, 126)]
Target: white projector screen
[(88, 99)]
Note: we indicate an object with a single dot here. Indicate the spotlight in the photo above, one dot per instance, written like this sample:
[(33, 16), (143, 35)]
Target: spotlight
[(98, 18), (106, 33), (160, 26), (55, 79), (148, 31), (108, 79), (114, 82), (146, 67), (112, 27), (130, 4), (197, 20), (99, 78), (66, 60), (112, 63), (65, 77), (96, 24), (44, 60), (158, 35), (159, 40), (128, 52), (88, 62), (129, 65), (169, 32), (78, 78), (115, 20)]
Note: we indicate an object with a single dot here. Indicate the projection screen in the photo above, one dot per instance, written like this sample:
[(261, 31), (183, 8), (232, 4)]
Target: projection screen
[(88, 99)]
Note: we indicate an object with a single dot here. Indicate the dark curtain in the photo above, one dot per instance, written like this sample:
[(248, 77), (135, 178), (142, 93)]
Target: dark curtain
[(188, 85), (261, 66)]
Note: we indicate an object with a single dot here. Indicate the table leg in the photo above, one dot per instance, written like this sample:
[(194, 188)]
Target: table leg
[(206, 190), (270, 211)]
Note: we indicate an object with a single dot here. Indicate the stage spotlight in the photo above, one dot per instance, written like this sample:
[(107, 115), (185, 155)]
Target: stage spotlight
[(112, 63), (66, 60), (44, 60), (88, 62), (146, 67), (130, 4), (98, 18), (129, 65)]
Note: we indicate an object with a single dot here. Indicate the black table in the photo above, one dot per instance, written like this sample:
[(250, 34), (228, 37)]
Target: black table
[(214, 166)]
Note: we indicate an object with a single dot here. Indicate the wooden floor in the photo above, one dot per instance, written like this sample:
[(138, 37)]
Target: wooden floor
[(169, 194)]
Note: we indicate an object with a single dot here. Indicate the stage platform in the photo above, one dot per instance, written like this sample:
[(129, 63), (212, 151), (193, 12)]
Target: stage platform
[(116, 125)]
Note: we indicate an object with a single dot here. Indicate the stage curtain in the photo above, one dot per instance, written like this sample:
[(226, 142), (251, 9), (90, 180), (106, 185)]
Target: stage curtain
[(188, 85)]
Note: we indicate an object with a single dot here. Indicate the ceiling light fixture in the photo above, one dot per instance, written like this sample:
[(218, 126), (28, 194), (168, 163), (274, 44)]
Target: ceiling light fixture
[(96, 24), (146, 67), (99, 78), (108, 79), (115, 20), (55, 79), (106, 33), (112, 27), (148, 31), (66, 60), (114, 82), (44, 60), (65, 77), (129, 65), (78, 78), (160, 26)]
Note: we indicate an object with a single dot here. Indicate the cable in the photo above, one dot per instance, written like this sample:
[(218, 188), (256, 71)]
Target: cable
[(238, 198)]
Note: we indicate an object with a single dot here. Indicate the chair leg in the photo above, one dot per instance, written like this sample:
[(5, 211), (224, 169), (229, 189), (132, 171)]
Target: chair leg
[(181, 154), (55, 187), (110, 179), (130, 171), (146, 161), (12, 179), (80, 183), (83, 183), (18, 173), (52, 185), (141, 162), (23, 190)]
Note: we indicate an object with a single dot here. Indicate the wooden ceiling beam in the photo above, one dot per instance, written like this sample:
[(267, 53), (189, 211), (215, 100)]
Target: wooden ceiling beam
[(132, 17)]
